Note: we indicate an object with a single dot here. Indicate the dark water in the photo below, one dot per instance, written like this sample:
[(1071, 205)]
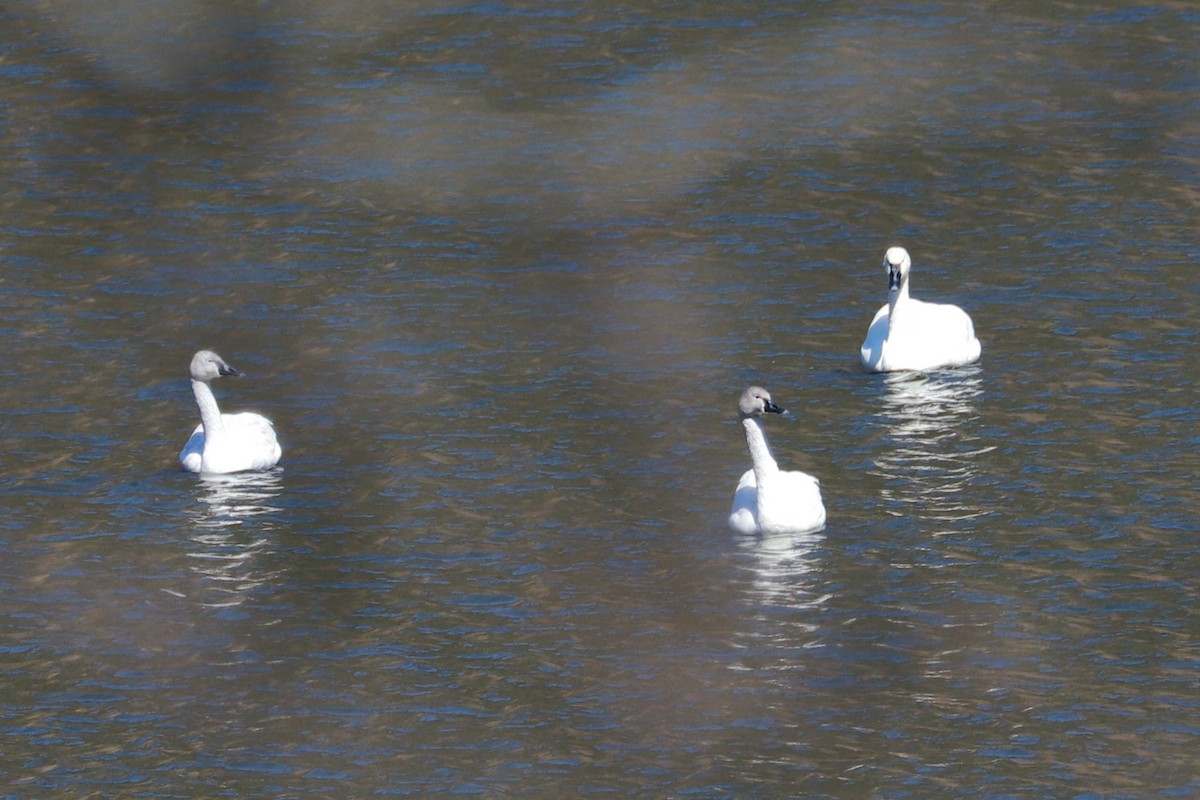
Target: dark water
[(498, 273)]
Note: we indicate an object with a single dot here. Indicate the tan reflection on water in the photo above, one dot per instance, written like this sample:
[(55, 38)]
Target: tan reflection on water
[(931, 457), (229, 535)]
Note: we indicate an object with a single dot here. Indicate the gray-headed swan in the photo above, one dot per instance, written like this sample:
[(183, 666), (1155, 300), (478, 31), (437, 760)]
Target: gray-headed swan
[(225, 442), (911, 334), (769, 500)]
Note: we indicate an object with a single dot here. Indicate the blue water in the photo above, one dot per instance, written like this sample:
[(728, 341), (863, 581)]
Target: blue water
[(499, 274)]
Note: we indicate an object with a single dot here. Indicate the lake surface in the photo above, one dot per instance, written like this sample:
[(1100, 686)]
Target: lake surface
[(498, 272)]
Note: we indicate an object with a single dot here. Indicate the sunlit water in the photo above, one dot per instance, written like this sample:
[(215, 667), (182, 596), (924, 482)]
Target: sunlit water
[(498, 274)]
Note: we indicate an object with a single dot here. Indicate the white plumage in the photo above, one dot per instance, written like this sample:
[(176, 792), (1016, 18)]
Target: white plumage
[(225, 442), (769, 500), (911, 334)]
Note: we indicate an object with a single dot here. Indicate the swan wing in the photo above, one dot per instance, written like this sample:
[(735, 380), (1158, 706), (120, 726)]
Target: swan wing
[(871, 351), (192, 455), (952, 335), (802, 487), (971, 347), (255, 439), (743, 517), (795, 504)]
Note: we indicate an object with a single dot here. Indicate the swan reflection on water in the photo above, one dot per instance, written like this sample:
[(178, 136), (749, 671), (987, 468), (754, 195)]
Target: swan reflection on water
[(785, 595), (783, 566), (231, 530), (930, 457)]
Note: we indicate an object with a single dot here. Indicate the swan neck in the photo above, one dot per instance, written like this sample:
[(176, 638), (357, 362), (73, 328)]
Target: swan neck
[(210, 414), (760, 451), (898, 302)]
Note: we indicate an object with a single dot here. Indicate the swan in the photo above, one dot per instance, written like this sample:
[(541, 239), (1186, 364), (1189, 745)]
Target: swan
[(767, 499), (225, 442), (910, 334)]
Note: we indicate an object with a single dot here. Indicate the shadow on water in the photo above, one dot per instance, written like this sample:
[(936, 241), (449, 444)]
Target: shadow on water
[(930, 455), (232, 531)]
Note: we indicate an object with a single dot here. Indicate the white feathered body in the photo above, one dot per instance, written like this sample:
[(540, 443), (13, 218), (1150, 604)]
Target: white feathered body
[(787, 502), (919, 335), (225, 443), (246, 441), (769, 500)]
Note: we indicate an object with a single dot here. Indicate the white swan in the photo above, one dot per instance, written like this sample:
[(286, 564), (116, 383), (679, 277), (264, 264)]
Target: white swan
[(910, 334), (225, 442), (767, 499)]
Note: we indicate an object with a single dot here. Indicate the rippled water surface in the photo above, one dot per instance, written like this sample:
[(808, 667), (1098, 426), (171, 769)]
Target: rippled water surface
[(498, 272)]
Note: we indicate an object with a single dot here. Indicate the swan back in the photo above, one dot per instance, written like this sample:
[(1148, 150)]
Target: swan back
[(911, 334)]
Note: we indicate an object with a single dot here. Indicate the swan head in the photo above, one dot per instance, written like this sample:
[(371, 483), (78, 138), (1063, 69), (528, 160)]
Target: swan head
[(755, 401), (897, 263), (207, 365)]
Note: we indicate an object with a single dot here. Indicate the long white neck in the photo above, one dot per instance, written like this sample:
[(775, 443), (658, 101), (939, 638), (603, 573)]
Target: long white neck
[(210, 415), (898, 303), (760, 452)]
